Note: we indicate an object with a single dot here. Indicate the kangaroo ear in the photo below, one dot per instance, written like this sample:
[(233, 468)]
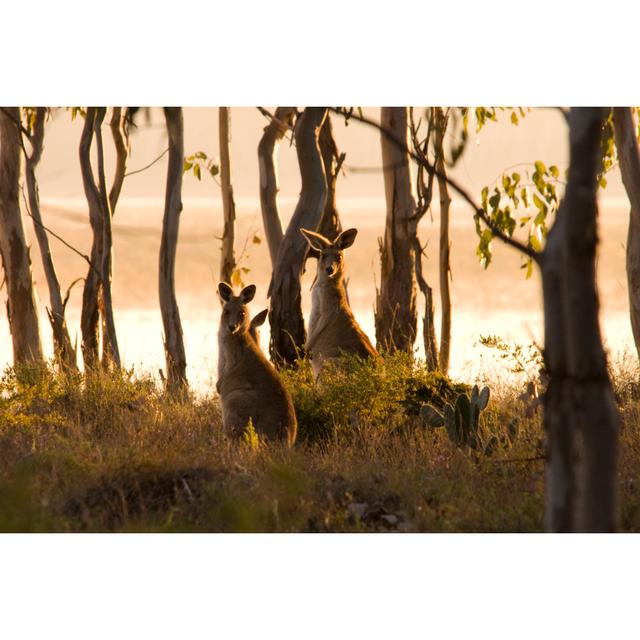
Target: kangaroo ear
[(316, 241), (346, 239), (247, 293), (259, 318), (225, 292)]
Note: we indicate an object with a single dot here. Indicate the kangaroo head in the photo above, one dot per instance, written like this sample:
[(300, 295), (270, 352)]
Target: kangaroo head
[(256, 322), (331, 260), (235, 315)]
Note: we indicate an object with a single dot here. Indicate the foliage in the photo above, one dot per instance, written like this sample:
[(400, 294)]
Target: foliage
[(199, 162), (355, 392)]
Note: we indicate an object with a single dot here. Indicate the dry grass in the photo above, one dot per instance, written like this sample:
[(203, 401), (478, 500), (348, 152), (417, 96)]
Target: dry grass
[(113, 453)]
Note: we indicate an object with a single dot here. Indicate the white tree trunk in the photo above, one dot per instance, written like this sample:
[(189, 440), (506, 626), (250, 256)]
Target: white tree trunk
[(173, 344), (21, 304)]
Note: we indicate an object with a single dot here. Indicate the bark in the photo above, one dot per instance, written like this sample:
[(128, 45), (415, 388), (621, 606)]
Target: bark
[(120, 135), (561, 482), (629, 155), (90, 315), (444, 263), (227, 259), (173, 344), (285, 316), (396, 314), (111, 352), (592, 401), (21, 305), (330, 226), (64, 352), (267, 152)]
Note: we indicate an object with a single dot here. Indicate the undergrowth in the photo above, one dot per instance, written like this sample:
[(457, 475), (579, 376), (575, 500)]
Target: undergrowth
[(113, 452)]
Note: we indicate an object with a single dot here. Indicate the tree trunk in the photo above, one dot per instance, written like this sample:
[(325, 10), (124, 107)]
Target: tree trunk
[(629, 155), (173, 345), (64, 352), (90, 315), (267, 152), (593, 404), (444, 263), (561, 481), (111, 353), (396, 314), (330, 226), (120, 135), (285, 316), (227, 260), (21, 304)]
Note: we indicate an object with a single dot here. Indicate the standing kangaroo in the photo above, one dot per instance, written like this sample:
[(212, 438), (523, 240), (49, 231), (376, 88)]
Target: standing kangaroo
[(249, 387), (332, 327)]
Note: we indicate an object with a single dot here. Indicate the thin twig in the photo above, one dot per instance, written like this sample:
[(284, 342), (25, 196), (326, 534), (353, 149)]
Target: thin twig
[(131, 173), (55, 235)]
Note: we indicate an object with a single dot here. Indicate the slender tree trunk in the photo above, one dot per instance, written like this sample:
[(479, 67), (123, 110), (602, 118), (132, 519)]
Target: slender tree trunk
[(285, 316), (561, 481), (64, 352), (227, 259), (120, 135), (174, 344), (330, 226), (111, 352), (629, 155), (593, 404), (444, 263), (90, 315), (396, 314), (21, 303), (267, 152)]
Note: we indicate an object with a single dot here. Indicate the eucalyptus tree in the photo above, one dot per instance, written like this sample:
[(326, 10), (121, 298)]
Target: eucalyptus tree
[(227, 259), (33, 132), (288, 333), (22, 311), (176, 362), (396, 313)]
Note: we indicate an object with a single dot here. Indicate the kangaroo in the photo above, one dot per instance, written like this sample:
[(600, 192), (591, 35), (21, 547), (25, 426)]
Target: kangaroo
[(332, 327), (256, 322), (249, 387)]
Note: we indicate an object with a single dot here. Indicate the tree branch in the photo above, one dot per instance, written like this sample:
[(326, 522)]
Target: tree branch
[(479, 212)]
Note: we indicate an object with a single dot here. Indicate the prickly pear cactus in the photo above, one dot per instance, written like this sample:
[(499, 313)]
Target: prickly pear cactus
[(461, 419)]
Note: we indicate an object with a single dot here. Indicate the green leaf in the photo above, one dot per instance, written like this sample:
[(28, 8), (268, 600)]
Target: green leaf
[(540, 167), (186, 166), (554, 171), (541, 205), (514, 118), (603, 182), (196, 171), (214, 170)]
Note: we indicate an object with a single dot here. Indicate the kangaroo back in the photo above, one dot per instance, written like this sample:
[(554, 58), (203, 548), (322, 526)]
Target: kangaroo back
[(332, 326), (248, 384)]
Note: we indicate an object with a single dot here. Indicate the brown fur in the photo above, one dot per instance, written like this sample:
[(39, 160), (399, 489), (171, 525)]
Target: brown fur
[(248, 384), (332, 327)]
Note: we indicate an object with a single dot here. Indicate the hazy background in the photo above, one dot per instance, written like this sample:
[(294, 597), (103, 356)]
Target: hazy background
[(497, 301)]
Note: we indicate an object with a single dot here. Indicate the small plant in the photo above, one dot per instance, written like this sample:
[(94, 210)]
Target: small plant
[(462, 419)]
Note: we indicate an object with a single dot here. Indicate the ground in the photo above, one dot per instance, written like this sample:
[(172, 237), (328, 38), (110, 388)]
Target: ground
[(112, 452)]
